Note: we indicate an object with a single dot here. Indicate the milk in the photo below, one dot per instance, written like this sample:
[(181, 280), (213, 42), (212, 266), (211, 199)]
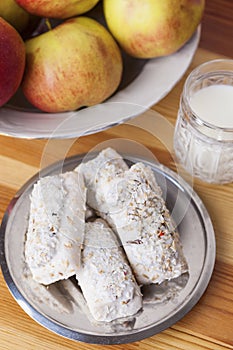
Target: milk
[(206, 150), (214, 104)]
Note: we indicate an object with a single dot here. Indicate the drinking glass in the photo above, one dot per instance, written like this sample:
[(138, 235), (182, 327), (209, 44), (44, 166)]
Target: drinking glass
[(202, 146)]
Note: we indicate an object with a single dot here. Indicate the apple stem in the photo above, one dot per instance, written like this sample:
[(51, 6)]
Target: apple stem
[(48, 24)]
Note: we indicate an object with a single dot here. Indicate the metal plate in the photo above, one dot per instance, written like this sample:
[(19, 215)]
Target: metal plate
[(61, 307)]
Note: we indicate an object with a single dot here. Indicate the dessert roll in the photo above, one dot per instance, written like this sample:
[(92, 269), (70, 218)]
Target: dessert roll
[(56, 227), (105, 276), (145, 227)]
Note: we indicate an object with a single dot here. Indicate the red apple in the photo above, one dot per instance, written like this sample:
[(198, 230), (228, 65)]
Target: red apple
[(76, 64), (57, 8), (12, 61)]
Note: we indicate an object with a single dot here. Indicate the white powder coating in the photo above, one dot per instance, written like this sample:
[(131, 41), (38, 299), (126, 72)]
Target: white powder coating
[(56, 227), (105, 276), (131, 202), (101, 169)]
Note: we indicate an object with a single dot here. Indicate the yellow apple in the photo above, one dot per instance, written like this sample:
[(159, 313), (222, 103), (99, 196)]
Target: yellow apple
[(78, 63), (152, 28), (12, 61), (57, 8), (14, 14)]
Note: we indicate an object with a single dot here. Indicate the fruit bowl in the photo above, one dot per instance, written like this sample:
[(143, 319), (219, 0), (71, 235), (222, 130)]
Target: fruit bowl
[(144, 83)]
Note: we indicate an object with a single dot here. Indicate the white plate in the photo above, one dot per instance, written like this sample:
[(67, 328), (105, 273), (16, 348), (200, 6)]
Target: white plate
[(154, 79)]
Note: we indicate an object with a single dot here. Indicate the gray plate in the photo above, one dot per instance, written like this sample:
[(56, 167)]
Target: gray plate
[(61, 307)]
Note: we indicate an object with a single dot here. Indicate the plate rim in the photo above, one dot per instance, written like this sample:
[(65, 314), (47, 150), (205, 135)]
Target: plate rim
[(184, 307)]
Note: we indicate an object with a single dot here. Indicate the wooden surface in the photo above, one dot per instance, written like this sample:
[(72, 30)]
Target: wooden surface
[(210, 323)]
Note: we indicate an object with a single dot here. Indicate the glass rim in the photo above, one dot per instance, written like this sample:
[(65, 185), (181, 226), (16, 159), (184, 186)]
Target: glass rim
[(193, 74)]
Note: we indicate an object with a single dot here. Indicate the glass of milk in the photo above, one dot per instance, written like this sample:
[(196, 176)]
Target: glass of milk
[(203, 138)]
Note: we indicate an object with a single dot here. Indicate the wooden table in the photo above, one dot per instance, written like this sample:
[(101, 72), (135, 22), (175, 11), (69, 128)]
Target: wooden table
[(210, 323)]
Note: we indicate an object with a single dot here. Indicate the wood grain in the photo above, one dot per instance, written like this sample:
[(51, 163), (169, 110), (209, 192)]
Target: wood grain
[(209, 325), (217, 32)]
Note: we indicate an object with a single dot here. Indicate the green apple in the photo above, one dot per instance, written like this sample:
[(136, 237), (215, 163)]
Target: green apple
[(78, 63), (57, 8), (152, 28), (12, 61)]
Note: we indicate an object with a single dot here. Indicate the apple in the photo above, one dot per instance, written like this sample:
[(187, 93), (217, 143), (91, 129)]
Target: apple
[(57, 8), (21, 20), (12, 61), (14, 14), (75, 64), (152, 28)]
